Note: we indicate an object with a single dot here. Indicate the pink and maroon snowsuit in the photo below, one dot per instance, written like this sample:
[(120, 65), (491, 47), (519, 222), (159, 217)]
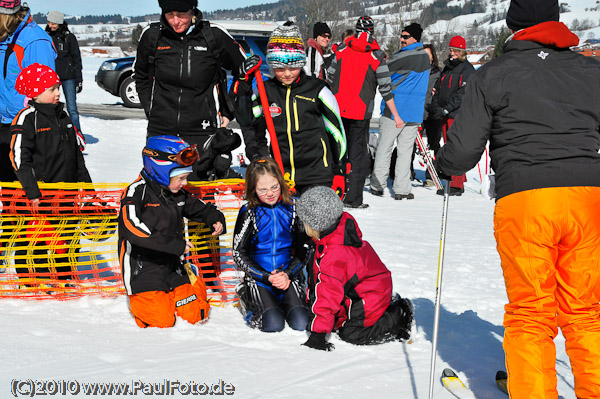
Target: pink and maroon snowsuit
[(350, 286)]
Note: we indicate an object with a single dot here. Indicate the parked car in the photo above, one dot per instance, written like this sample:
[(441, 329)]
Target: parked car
[(114, 75)]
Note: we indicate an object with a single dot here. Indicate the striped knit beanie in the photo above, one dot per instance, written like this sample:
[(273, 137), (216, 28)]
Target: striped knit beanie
[(9, 6), (286, 48), (365, 24)]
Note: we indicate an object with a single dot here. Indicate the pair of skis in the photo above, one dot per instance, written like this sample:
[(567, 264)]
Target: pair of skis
[(456, 387), (428, 159)]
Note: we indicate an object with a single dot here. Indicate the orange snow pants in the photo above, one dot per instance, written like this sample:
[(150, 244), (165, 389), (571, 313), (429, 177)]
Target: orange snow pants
[(549, 244), (159, 308)]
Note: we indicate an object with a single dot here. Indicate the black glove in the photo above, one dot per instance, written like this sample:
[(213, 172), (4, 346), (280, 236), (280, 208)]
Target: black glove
[(78, 86), (441, 174), (436, 112), (249, 66), (317, 341)]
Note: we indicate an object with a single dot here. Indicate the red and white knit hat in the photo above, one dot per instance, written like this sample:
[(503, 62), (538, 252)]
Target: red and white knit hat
[(35, 79)]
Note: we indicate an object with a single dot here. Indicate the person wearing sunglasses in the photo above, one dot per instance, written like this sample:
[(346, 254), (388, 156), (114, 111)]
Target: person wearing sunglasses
[(151, 236), (448, 96), (316, 51), (409, 71)]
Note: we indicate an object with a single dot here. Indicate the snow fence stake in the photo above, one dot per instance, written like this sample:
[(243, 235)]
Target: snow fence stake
[(438, 288)]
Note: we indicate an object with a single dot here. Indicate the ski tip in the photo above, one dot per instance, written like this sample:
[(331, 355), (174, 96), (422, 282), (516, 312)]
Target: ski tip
[(448, 373), (456, 387), (501, 375)]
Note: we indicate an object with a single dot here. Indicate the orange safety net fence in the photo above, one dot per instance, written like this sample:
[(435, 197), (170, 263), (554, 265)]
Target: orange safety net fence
[(67, 247)]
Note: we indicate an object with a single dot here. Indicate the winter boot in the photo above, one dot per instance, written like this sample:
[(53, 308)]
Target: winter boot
[(404, 312)]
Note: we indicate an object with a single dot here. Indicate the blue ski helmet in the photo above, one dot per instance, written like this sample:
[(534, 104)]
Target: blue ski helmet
[(157, 169)]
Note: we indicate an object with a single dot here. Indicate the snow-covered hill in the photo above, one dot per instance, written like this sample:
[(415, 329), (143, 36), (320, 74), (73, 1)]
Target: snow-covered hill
[(481, 28)]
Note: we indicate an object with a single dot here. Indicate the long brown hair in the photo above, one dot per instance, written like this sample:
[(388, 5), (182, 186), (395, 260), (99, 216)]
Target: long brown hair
[(258, 168), (10, 22), (435, 62)]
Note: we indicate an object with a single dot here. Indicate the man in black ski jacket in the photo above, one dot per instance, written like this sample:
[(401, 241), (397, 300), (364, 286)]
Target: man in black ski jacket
[(177, 73), (539, 107)]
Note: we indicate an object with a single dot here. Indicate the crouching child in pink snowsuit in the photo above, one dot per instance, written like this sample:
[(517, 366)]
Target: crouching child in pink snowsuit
[(350, 289)]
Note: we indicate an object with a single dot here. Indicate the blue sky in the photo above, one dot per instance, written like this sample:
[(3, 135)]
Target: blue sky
[(127, 7)]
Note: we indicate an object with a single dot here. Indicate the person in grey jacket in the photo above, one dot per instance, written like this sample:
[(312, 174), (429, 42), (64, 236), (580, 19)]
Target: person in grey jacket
[(68, 61), (538, 105)]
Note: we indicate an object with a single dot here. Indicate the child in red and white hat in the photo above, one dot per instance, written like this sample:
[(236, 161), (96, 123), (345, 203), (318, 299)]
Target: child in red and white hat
[(45, 145)]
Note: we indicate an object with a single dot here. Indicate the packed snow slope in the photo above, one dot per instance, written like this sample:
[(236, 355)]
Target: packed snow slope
[(96, 340)]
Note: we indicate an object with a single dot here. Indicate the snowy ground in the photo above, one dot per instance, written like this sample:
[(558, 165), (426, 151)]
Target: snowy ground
[(96, 340)]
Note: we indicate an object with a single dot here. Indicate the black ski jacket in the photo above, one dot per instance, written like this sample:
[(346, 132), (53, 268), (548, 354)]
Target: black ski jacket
[(182, 95), (539, 106), (68, 59), (450, 88), (44, 148), (308, 126), (151, 237)]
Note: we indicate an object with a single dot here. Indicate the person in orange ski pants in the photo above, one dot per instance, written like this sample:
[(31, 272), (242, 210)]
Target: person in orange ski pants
[(537, 105)]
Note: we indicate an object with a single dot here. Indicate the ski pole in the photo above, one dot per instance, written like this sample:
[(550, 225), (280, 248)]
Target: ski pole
[(264, 101), (438, 289)]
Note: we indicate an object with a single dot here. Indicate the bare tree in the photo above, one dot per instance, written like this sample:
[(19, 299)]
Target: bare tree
[(321, 10), (402, 12)]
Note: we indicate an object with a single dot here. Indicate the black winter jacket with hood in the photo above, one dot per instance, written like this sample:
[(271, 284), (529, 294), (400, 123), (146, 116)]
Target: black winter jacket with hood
[(68, 58), (308, 126), (538, 105), (151, 239), (182, 96), (45, 148)]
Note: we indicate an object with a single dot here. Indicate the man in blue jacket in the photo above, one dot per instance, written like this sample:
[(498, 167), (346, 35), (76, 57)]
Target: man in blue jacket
[(409, 70)]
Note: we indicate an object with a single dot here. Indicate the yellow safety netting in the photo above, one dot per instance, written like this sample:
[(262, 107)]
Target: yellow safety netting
[(67, 246)]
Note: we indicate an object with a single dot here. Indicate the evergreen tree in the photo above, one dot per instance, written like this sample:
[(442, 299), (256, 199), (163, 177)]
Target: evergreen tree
[(502, 36)]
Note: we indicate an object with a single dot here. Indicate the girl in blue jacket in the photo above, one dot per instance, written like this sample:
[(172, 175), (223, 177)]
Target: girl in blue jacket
[(263, 247)]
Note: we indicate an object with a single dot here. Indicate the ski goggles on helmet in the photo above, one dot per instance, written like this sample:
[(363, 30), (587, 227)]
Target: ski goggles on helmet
[(185, 157)]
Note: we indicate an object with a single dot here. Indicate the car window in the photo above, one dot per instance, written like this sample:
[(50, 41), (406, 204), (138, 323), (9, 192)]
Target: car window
[(253, 45), (262, 44), (245, 46)]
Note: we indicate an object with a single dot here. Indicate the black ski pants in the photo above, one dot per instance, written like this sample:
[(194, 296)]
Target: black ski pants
[(357, 139)]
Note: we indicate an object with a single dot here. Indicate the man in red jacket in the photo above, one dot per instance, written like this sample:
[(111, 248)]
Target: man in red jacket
[(350, 289), (359, 68)]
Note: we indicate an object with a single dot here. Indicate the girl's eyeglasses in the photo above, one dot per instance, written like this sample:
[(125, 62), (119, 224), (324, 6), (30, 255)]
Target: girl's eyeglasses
[(273, 189)]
